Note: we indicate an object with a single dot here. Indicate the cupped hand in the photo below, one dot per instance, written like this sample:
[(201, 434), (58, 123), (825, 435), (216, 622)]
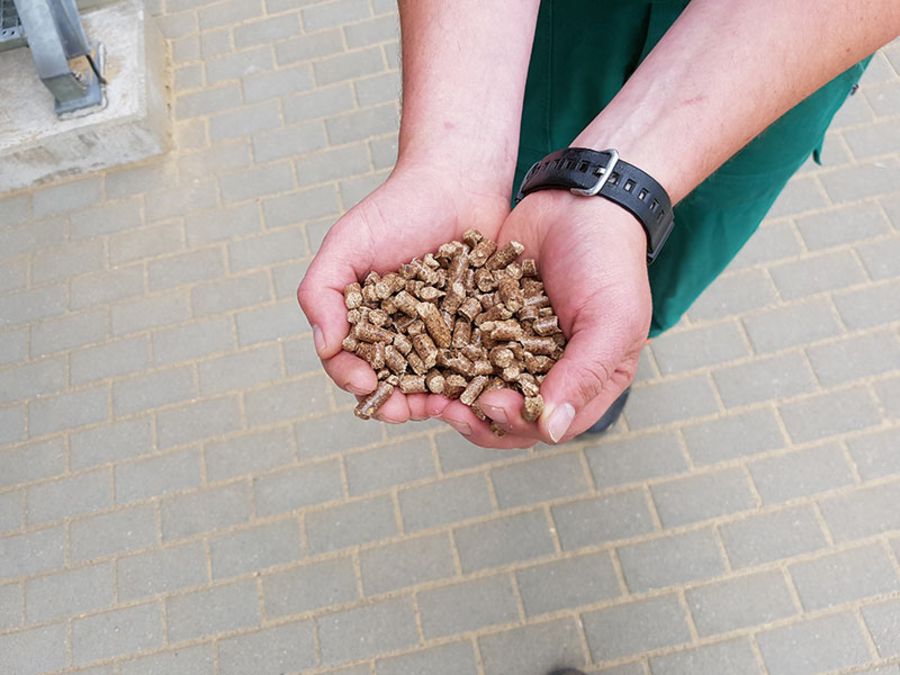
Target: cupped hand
[(591, 254), (416, 210)]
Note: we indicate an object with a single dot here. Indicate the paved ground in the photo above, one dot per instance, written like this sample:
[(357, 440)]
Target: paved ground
[(182, 492)]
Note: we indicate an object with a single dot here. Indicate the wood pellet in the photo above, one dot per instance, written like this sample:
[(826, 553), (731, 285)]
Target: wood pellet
[(464, 320)]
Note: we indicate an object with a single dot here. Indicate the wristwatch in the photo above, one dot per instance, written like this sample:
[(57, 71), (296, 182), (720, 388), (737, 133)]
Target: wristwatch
[(601, 173)]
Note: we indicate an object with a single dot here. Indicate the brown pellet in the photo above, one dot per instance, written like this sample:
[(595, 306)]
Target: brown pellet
[(532, 408), (482, 252), (454, 385), (371, 403), (367, 332), (434, 324), (426, 349), (462, 334), (546, 325), (406, 303), (473, 389), (505, 255), (394, 360), (538, 345), (353, 297), (412, 384), (435, 382)]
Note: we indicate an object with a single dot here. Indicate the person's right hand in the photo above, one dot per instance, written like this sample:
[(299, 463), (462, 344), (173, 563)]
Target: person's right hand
[(416, 210)]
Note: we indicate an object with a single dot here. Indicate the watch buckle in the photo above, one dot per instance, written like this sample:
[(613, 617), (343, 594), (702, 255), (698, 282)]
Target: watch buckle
[(605, 173)]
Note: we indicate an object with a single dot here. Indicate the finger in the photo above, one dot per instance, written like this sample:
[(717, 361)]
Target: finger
[(593, 354), (351, 373), (418, 407), (504, 407), (395, 410), (461, 418)]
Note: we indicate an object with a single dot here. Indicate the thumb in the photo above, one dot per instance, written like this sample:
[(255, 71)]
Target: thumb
[(586, 380), (321, 296)]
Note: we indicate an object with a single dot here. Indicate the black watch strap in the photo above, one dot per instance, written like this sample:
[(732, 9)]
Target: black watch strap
[(590, 172)]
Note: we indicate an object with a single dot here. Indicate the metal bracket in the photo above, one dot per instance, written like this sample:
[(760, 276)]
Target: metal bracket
[(68, 65)]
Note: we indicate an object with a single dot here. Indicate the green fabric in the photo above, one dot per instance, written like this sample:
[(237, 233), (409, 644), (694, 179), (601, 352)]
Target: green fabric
[(584, 51)]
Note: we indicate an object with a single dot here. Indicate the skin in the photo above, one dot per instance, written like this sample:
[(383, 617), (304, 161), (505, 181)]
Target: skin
[(722, 73)]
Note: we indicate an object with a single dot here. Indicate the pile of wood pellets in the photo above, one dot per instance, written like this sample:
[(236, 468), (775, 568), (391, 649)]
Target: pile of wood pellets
[(463, 320)]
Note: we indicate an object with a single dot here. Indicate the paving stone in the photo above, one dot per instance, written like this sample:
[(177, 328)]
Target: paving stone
[(300, 206), (217, 159), (568, 583), (284, 648), (116, 633), (365, 33), (800, 195), (137, 245), (206, 510), (34, 651), (869, 307), (225, 65), (15, 210), (199, 195), (503, 540), (358, 125), (636, 459), (379, 88), (289, 141), (333, 164), (110, 533), (876, 455), (813, 646), (66, 411), (14, 275), (185, 268), (287, 401), (636, 668), (855, 358), (456, 453), (340, 67), (312, 586), (771, 242), (154, 390), (109, 359), (699, 347), (350, 524), (843, 225), (71, 196), (536, 648), (622, 630), (58, 264), (109, 443), (883, 622), (156, 476), (329, 15), (256, 548), (12, 511), (801, 473), (324, 436), (384, 152), (196, 421), (266, 31), (13, 346), (881, 258), (764, 379), (28, 381), (888, 392), (539, 480), (671, 560), (771, 536), (447, 501), (33, 461), (740, 602), (300, 358), (695, 498), (12, 424), (861, 180), (734, 657), (385, 467), (233, 293), (150, 312), (213, 610), (304, 486), (199, 338), (817, 274), (843, 577), (863, 512), (406, 563), (366, 631), (155, 175), (456, 658), (830, 413), (161, 571), (68, 332), (241, 370), (249, 453), (597, 521), (734, 294), (12, 604), (71, 496), (197, 660), (202, 227), (797, 324), (307, 48), (29, 305), (267, 180), (244, 120), (71, 592), (267, 249)]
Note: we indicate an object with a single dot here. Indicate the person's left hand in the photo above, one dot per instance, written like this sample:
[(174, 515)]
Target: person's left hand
[(591, 254)]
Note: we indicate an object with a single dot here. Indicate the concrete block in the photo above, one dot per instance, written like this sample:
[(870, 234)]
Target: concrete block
[(33, 461), (801, 473), (671, 561), (503, 540), (381, 468), (467, 606), (735, 657), (156, 476), (814, 646), (32, 553), (830, 413), (367, 631), (617, 462), (197, 660), (724, 492), (456, 658), (110, 533), (249, 453), (116, 633), (35, 651), (253, 549), (290, 647), (540, 479), (771, 536), (443, 502), (110, 442), (350, 524), (568, 583), (863, 512), (313, 586), (883, 622), (72, 592), (537, 648), (844, 577), (621, 631), (406, 563), (746, 601), (293, 489), (603, 519), (211, 509), (71, 496), (212, 611), (162, 571), (132, 126)]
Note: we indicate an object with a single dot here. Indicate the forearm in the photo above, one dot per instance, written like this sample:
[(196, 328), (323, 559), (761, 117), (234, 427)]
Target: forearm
[(726, 70), (464, 68)]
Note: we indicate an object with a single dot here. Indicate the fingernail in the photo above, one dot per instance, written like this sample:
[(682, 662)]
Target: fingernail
[(495, 413), (318, 339), (461, 427), (353, 389), (560, 421)]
